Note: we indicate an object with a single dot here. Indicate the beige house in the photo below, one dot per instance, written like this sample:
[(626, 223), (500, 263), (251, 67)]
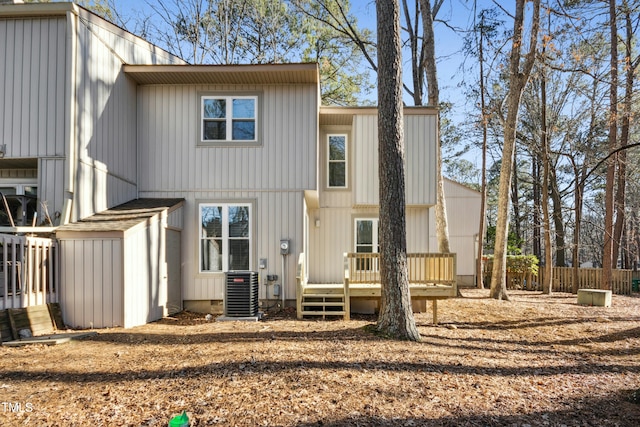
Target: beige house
[(157, 177)]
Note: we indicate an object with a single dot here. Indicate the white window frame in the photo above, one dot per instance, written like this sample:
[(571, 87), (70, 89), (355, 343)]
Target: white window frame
[(366, 265), (375, 237), (345, 161), (225, 235), (229, 118)]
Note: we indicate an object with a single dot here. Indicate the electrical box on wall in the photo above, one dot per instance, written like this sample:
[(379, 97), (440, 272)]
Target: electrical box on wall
[(284, 247)]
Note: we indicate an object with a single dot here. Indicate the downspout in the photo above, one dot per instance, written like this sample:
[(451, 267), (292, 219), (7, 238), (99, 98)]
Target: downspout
[(72, 119)]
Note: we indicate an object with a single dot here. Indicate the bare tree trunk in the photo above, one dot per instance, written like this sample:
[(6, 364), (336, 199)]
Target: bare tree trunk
[(515, 202), (620, 197), (396, 316), (518, 77), (558, 220), (537, 226), (544, 139), (607, 252), (433, 99), (483, 201)]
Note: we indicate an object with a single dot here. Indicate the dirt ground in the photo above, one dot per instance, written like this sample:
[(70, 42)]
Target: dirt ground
[(534, 361)]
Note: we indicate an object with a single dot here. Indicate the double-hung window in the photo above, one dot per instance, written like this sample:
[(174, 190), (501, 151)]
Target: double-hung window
[(337, 160), (225, 237), (229, 118)]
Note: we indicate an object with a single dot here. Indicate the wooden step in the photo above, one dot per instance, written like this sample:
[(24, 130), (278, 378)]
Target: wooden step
[(319, 291), (323, 304), (323, 313), (331, 296)]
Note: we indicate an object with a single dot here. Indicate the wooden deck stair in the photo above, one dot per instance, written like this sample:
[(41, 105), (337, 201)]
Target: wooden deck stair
[(323, 300)]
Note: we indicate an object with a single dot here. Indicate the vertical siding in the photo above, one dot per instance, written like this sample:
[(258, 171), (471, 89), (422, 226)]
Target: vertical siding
[(50, 180), (420, 158), (365, 160), (463, 217), (145, 285), (171, 160), (276, 215), (32, 81), (335, 236), (91, 291), (106, 127)]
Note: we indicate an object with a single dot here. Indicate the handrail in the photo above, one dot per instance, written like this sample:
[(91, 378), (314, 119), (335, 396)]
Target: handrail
[(423, 268)]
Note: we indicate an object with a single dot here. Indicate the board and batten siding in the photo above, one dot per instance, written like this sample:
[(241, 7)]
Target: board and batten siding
[(105, 127), (171, 158), (336, 235), (145, 274), (275, 215), (91, 275), (32, 86), (271, 176), (463, 217), (420, 159), (115, 278)]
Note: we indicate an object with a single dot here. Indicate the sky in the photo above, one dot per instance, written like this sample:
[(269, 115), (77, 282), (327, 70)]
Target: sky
[(457, 14)]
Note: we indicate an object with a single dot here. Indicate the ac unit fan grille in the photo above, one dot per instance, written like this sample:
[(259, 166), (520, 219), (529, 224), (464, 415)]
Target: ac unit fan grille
[(241, 294)]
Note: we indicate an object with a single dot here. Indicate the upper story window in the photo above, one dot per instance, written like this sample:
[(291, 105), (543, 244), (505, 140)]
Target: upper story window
[(337, 160), (229, 118)]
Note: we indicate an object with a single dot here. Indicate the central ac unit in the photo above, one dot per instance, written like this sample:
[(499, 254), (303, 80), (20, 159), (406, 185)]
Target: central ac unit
[(241, 294)]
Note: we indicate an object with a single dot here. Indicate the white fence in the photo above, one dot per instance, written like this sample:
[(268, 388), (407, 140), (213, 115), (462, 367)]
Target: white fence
[(28, 271)]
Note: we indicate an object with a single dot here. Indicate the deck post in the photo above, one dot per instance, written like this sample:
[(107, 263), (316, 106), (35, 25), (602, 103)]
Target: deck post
[(347, 294), (347, 300), (434, 304)]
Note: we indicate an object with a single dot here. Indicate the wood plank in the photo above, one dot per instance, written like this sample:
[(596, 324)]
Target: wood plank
[(56, 316), (36, 318), (6, 333)]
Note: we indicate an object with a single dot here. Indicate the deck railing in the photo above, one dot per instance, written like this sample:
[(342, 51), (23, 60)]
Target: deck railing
[(28, 271), (423, 268)]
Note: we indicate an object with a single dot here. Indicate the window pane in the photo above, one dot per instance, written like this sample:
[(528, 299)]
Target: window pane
[(238, 221), (364, 234), (214, 130), (243, 130), (211, 253), (8, 190), (364, 249), (211, 221), (239, 254), (244, 108), (337, 174), (337, 147), (214, 108)]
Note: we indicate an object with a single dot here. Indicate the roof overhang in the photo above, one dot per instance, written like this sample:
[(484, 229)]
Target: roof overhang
[(16, 10), (336, 116), (302, 73)]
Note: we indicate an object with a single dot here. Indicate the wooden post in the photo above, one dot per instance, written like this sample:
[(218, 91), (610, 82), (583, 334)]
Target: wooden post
[(434, 304)]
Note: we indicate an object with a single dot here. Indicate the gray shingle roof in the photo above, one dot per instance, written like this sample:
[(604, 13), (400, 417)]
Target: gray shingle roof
[(123, 217)]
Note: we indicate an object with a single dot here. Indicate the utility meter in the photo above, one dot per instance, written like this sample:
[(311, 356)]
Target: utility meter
[(284, 247)]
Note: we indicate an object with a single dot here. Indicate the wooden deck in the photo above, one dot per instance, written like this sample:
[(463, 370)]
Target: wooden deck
[(431, 277)]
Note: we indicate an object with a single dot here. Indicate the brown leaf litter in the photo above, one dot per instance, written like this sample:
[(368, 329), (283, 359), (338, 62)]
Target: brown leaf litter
[(537, 360)]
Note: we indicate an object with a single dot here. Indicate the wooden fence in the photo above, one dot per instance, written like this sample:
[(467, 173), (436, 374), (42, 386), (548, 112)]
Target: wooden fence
[(28, 271), (588, 278), (562, 280)]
